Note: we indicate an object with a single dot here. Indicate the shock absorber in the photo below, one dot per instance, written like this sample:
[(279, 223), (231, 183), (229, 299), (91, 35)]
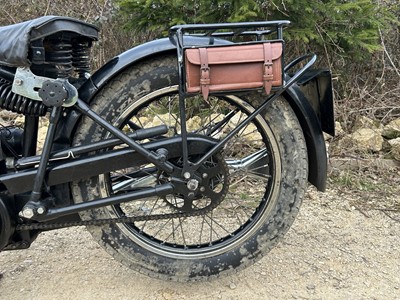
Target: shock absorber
[(19, 104)]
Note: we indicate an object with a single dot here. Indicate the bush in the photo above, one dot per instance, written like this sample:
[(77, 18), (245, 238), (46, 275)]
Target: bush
[(357, 39)]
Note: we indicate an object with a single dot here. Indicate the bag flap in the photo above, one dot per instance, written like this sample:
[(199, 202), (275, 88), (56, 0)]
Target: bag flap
[(234, 54)]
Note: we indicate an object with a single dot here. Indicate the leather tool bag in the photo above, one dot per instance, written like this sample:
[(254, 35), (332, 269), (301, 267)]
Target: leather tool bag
[(233, 68)]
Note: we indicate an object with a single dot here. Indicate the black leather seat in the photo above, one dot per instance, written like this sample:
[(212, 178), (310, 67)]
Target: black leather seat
[(15, 39)]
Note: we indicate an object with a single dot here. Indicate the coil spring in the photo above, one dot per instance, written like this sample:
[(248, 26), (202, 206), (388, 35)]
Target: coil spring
[(81, 58), (17, 103), (60, 56)]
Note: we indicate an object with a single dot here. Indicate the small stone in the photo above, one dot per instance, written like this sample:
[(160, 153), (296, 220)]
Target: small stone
[(193, 123), (232, 286), (365, 122), (19, 121), (310, 287), (338, 129), (395, 148), (366, 139), (392, 130)]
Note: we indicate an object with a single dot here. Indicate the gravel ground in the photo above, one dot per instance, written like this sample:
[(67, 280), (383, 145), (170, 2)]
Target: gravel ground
[(333, 251)]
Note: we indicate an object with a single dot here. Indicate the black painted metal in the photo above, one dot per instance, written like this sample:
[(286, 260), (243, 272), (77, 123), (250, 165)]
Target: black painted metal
[(100, 163), (152, 157), (316, 85), (159, 190), (31, 126), (44, 158), (317, 158), (73, 152)]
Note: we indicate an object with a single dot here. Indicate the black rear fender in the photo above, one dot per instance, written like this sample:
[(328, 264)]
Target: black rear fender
[(308, 116)]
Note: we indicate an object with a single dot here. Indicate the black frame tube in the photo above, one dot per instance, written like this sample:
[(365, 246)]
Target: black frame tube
[(84, 149), (53, 213), (152, 157), (44, 158)]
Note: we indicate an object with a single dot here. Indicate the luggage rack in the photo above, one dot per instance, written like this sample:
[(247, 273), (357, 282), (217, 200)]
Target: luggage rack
[(260, 31), (244, 29), (212, 35)]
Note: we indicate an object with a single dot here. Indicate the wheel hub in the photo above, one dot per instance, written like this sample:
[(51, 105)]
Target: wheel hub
[(207, 187), (192, 184)]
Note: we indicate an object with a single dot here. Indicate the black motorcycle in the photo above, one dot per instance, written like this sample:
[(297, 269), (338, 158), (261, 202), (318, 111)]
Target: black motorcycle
[(175, 182)]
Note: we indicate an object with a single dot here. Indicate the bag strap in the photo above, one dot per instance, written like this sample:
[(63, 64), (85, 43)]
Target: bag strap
[(268, 73), (204, 73)]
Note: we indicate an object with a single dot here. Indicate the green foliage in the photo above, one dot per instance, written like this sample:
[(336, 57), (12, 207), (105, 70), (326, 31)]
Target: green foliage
[(350, 27)]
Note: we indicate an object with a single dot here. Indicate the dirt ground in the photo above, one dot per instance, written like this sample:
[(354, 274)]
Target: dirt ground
[(334, 250)]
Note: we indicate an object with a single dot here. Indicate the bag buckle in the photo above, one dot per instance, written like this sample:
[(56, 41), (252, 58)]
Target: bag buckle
[(205, 75)]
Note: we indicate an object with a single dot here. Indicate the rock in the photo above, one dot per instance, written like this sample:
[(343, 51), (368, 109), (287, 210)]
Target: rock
[(311, 287), (395, 143), (143, 121), (338, 132), (338, 129), (43, 126), (19, 121), (392, 130), (193, 123), (365, 122), (164, 119), (366, 139), (215, 117)]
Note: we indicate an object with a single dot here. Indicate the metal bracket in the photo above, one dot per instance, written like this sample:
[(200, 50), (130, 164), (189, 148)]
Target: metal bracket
[(28, 85)]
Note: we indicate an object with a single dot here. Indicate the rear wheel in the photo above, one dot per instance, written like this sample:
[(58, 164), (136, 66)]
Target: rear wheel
[(246, 199)]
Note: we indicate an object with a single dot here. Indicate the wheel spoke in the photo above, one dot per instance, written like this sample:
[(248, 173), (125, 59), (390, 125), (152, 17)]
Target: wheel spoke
[(248, 169)]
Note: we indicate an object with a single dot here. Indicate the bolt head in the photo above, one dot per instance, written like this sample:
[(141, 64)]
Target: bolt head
[(18, 81), (186, 175), (41, 210), (205, 175), (28, 213), (202, 189)]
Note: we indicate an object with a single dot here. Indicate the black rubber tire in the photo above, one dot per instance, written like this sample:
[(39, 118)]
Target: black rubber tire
[(288, 145)]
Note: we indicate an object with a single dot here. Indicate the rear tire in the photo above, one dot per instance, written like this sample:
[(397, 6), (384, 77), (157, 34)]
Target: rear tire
[(259, 206)]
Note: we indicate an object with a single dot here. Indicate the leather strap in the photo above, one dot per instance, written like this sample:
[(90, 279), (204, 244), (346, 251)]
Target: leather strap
[(204, 73), (268, 73)]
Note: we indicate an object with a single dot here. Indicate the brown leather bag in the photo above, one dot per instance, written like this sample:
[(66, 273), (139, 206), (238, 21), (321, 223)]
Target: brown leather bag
[(232, 68)]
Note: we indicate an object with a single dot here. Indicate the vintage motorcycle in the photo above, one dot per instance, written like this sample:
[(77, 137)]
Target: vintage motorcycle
[(186, 157)]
